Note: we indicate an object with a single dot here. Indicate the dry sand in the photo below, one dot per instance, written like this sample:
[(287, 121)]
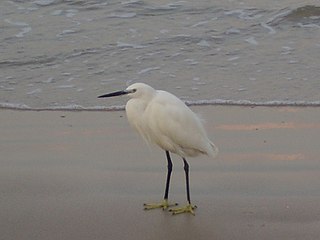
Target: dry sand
[(85, 175)]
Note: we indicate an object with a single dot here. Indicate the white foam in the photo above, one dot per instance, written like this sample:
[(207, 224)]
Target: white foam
[(274, 103), (38, 90), (270, 29), (203, 43), (242, 89), (66, 32), (122, 15), (49, 80), (252, 41), (311, 25), (129, 45), (278, 17), (20, 24), (243, 14), (23, 32), (131, 2), (214, 102), (7, 88), (191, 61), (146, 70), (199, 24), (44, 2), (25, 28), (233, 31), (57, 12), (65, 86), (17, 106), (233, 58), (71, 13)]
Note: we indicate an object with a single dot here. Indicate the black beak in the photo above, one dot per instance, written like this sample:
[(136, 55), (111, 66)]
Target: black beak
[(113, 94)]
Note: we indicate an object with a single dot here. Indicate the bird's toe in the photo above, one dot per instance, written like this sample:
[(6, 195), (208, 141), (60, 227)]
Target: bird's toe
[(164, 205), (186, 209)]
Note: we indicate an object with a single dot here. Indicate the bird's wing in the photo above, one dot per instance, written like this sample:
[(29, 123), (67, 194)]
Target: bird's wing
[(175, 127)]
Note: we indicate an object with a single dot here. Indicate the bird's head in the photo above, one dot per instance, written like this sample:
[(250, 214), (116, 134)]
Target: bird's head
[(136, 90)]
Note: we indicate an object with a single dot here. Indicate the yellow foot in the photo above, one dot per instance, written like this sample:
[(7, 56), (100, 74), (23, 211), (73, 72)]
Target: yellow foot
[(186, 209), (164, 205)]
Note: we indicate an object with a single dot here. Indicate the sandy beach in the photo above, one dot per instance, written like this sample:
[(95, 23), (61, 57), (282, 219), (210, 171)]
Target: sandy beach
[(86, 175)]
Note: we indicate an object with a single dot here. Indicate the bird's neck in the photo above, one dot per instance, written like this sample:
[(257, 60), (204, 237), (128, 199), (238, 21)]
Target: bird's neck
[(136, 107)]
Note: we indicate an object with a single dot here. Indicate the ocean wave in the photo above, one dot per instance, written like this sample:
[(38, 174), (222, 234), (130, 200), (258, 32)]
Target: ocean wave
[(213, 102), (308, 14), (273, 103)]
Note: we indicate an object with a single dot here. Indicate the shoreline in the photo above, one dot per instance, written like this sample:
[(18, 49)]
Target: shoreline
[(213, 103)]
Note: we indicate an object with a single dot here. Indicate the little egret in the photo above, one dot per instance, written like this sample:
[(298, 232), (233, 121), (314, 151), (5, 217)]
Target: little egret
[(163, 119)]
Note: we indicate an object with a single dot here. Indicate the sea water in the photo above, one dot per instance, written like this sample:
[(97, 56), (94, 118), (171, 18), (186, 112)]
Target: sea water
[(63, 54)]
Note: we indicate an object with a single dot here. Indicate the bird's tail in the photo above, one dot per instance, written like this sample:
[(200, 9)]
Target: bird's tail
[(213, 151)]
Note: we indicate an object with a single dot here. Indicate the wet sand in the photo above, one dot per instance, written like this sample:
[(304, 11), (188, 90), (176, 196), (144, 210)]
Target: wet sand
[(85, 175)]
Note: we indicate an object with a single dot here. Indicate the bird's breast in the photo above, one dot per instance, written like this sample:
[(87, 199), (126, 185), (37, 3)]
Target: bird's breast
[(135, 110)]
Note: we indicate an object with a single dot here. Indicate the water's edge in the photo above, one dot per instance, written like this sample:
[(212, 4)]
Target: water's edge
[(217, 102)]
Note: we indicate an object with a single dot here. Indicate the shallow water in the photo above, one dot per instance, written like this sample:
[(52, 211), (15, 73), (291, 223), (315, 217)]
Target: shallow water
[(63, 54)]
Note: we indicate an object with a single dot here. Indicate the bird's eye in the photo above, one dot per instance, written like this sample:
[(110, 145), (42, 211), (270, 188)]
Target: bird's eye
[(129, 91)]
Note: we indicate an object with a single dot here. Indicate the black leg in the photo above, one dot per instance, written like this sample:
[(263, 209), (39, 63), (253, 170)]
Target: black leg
[(186, 169), (164, 204), (166, 193), (188, 208)]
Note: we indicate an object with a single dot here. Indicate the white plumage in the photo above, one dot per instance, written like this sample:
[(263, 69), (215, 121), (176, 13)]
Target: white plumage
[(164, 120)]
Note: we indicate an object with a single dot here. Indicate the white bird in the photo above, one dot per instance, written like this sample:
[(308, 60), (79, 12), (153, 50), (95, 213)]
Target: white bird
[(164, 120)]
